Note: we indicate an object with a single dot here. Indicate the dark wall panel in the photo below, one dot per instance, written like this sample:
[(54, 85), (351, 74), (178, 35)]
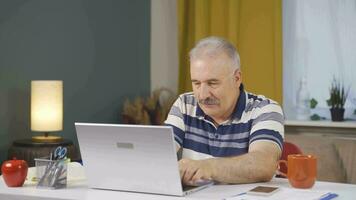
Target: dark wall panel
[(100, 49)]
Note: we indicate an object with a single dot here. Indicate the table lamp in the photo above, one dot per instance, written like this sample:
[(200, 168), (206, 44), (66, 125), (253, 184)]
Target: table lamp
[(46, 109)]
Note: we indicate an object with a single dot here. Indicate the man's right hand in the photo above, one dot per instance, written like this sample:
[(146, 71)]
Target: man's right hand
[(193, 172)]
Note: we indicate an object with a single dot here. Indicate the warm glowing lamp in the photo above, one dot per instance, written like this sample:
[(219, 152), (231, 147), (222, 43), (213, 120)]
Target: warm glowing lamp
[(46, 109)]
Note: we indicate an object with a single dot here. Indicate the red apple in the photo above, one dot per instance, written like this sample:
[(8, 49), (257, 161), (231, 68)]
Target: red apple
[(14, 172)]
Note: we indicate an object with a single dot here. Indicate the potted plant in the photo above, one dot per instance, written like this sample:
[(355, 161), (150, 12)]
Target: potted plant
[(336, 102), (150, 110)]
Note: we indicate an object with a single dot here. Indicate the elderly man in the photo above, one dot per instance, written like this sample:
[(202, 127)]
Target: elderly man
[(226, 134)]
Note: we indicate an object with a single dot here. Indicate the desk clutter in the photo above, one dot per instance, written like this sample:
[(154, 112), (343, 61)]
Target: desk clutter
[(52, 172), (75, 173)]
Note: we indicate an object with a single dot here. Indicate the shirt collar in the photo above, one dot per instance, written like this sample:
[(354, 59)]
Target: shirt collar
[(238, 110)]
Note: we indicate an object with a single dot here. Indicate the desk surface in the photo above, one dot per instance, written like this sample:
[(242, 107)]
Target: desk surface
[(79, 190)]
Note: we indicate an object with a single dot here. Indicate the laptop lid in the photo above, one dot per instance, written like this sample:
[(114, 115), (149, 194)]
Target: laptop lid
[(134, 158)]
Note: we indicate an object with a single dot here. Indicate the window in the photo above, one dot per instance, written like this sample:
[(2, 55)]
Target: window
[(319, 43)]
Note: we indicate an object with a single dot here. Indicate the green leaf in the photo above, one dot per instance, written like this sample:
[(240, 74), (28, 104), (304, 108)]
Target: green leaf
[(313, 103), (315, 117), (338, 94), (328, 102)]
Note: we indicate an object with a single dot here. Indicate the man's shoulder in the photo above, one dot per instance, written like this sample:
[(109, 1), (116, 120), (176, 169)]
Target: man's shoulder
[(187, 104), (259, 101), (187, 98), (251, 97)]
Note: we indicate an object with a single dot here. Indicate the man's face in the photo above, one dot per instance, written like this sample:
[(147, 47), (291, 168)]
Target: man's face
[(215, 85)]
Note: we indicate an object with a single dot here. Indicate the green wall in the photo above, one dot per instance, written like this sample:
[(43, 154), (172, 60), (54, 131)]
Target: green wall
[(100, 49)]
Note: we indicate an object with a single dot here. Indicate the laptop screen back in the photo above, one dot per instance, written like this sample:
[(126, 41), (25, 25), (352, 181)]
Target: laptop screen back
[(130, 158)]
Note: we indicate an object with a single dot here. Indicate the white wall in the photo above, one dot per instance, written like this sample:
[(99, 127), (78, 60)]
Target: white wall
[(164, 45)]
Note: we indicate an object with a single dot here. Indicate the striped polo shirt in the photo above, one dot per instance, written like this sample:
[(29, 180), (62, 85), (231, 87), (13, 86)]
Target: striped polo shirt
[(255, 118)]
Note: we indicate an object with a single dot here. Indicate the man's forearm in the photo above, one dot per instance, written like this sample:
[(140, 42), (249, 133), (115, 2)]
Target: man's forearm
[(258, 165), (247, 168)]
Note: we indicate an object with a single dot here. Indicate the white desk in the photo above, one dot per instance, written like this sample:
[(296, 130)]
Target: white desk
[(79, 190)]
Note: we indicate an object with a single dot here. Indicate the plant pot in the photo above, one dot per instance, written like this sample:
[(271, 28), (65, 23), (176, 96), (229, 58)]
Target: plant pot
[(337, 114)]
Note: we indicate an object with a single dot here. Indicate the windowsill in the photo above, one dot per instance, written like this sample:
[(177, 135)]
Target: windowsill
[(322, 123)]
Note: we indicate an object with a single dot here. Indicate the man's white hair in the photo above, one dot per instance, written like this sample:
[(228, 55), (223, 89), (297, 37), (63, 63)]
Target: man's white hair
[(214, 46)]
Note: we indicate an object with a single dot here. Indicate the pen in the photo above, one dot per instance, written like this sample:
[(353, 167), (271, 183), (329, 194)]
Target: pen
[(328, 196)]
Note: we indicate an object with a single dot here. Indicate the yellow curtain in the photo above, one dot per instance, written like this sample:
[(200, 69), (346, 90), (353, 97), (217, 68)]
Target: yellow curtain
[(253, 26)]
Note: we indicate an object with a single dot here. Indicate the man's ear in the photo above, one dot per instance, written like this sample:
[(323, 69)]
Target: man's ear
[(238, 76)]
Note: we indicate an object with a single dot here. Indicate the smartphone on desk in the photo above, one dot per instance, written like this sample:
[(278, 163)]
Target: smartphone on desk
[(263, 190)]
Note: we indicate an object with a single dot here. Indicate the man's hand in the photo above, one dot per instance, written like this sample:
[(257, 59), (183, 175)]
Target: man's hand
[(193, 171), (258, 165)]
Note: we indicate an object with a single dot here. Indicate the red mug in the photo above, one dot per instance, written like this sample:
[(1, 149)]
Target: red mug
[(301, 170)]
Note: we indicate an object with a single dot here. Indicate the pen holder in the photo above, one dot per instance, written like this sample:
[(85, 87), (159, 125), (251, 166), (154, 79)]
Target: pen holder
[(51, 174)]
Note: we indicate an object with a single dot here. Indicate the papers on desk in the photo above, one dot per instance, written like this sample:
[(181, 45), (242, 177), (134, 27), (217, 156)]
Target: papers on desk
[(290, 194)]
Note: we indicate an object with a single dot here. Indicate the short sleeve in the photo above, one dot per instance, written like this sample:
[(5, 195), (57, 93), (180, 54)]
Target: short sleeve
[(268, 124), (175, 119)]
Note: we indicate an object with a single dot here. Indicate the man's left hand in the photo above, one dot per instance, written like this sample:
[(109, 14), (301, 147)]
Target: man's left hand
[(193, 171)]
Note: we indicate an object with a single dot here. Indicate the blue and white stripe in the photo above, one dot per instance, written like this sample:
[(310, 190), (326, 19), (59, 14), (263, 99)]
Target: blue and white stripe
[(255, 118)]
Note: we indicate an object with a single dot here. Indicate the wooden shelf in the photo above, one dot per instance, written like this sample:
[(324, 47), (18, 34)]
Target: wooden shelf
[(322, 123)]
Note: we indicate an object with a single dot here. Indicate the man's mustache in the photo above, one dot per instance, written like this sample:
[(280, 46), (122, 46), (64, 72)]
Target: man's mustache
[(209, 101)]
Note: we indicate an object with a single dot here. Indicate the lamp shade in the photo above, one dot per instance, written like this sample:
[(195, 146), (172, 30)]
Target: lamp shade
[(46, 105)]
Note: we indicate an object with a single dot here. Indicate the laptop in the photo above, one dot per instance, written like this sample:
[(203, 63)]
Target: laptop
[(136, 158)]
